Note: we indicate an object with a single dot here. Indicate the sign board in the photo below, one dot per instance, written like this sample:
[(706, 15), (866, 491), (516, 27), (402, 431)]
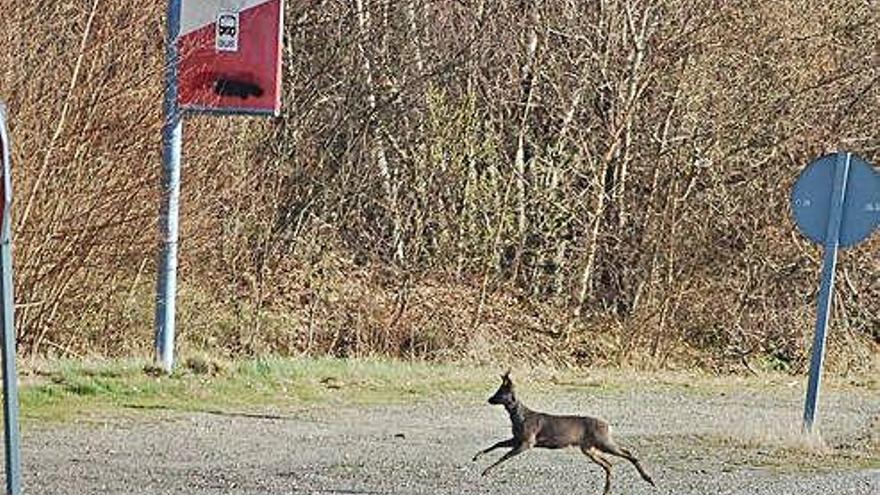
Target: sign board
[(836, 203), (230, 56), (5, 180), (811, 200)]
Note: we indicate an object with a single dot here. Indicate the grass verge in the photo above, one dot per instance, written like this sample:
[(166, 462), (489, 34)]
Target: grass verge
[(62, 390), (66, 390)]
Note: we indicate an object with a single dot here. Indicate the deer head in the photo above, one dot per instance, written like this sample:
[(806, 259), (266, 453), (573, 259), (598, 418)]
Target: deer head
[(504, 395)]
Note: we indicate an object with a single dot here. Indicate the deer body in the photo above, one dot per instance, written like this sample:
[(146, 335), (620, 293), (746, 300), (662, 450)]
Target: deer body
[(549, 431)]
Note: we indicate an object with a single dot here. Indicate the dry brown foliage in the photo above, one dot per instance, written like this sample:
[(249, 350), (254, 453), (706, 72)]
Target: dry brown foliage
[(564, 181)]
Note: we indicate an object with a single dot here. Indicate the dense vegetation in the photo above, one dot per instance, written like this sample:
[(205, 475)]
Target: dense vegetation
[(566, 181)]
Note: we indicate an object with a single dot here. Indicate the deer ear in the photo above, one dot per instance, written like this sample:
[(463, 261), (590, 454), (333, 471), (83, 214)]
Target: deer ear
[(506, 375)]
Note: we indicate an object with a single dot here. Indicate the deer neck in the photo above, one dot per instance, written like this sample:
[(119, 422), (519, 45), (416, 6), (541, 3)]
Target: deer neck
[(517, 412)]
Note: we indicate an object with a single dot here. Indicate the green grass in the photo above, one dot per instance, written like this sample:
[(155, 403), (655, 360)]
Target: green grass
[(65, 390), (68, 389)]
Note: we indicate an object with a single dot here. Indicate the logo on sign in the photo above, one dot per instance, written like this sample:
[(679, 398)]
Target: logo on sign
[(227, 32)]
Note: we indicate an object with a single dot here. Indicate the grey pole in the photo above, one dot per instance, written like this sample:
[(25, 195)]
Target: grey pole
[(10, 376), (826, 290), (172, 136)]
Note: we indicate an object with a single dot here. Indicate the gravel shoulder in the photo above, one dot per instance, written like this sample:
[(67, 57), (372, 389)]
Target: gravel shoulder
[(693, 442)]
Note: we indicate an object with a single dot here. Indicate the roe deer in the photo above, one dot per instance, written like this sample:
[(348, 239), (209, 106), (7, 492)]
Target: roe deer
[(534, 429)]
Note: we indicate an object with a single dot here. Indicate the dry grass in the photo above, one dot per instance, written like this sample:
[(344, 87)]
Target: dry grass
[(770, 431)]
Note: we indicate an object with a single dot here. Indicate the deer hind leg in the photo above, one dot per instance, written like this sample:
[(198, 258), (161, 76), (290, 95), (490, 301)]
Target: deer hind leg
[(594, 456), (609, 447)]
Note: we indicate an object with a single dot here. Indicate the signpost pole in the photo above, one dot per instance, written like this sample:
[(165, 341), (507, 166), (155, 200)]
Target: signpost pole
[(10, 376), (172, 137), (826, 290)]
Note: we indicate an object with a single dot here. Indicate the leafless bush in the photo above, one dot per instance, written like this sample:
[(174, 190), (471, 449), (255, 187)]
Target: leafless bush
[(605, 180)]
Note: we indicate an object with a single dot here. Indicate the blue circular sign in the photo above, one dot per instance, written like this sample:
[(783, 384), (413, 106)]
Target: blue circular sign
[(811, 200)]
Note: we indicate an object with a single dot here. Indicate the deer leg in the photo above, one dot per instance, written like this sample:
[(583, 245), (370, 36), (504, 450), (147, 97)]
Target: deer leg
[(519, 449), (504, 443), (598, 459), (609, 447)]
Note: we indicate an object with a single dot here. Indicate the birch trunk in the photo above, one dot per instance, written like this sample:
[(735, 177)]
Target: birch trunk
[(375, 134)]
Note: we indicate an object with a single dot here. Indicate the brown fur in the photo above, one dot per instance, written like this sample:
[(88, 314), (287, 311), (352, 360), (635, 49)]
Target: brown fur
[(536, 429)]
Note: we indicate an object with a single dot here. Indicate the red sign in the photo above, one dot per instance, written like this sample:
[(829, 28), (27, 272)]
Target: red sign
[(230, 56), (4, 165)]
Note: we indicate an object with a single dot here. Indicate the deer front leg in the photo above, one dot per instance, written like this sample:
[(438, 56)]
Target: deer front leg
[(504, 443), (519, 449)]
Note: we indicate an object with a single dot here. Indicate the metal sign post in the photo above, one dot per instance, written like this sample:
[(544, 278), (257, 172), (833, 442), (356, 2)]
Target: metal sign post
[(231, 64), (10, 376), (823, 310), (836, 203), (172, 139)]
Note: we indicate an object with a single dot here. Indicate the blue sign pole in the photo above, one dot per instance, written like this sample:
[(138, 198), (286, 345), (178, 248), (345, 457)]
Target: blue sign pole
[(826, 290), (172, 137), (10, 376)]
